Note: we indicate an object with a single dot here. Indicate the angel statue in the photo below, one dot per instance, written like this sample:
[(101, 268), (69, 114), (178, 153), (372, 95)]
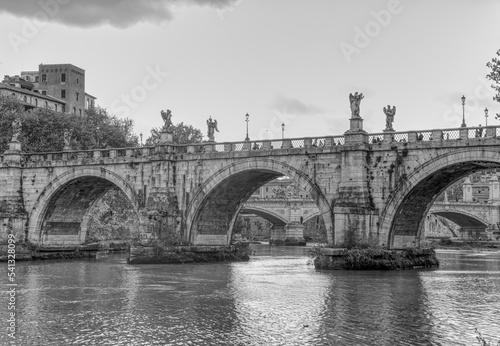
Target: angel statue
[(355, 100), (389, 117), (212, 125), (167, 118), (16, 130)]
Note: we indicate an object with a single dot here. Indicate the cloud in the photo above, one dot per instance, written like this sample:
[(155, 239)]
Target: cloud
[(117, 13), (295, 106)]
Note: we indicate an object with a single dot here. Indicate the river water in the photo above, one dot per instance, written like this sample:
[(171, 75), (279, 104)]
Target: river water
[(276, 298)]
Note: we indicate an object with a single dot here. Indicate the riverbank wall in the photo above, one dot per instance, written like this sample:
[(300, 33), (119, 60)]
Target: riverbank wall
[(374, 259), (188, 254), (30, 252)]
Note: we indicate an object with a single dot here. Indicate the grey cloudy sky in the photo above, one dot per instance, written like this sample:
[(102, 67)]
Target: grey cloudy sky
[(281, 61)]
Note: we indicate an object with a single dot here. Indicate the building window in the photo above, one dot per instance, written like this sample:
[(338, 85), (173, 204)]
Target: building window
[(27, 78), (46, 104), (77, 81), (63, 94), (55, 108), (36, 102), (44, 92), (80, 111), (37, 79), (25, 99), (74, 110), (63, 77), (77, 96), (44, 78)]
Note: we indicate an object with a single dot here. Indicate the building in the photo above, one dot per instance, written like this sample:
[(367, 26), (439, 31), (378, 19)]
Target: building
[(25, 92), (64, 81), (89, 101), (60, 87)]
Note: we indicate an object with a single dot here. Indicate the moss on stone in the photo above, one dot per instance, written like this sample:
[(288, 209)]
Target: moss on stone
[(376, 259)]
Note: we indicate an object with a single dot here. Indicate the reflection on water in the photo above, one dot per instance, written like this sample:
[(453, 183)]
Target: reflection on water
[(275, 299)]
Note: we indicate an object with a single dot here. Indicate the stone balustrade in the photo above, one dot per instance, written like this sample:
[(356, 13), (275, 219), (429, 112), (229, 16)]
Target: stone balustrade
[(325, 142)]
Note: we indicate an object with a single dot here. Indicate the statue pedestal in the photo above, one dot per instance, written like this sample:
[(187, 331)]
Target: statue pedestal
[(356, 134), (14, 147), (14, 153), (356, 125), (166, 137), (389, 135)]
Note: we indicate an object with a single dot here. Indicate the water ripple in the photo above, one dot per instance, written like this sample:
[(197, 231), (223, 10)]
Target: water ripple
[(275, 299)]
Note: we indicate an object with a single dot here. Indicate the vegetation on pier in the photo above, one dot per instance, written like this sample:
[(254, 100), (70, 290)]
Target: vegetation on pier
[(359, 252)]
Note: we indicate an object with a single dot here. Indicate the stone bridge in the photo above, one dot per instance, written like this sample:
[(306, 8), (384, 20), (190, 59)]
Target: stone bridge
[(286, 214), (472, 217), (383, 183)]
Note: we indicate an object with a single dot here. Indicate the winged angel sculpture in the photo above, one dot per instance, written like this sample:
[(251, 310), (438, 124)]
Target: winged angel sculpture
[(355, 101), (212, 125)]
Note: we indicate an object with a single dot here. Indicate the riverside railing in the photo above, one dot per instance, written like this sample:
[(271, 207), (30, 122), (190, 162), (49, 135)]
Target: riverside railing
[(463, 133)]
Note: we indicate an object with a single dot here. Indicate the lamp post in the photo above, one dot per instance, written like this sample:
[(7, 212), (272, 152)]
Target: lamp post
[(247, 119), (463, 111), (140, 135), (486, 115), (282, 130)]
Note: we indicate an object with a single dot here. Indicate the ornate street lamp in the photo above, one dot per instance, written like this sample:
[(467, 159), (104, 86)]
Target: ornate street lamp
[(463, 111), (247, 119), (486, 115), (282, 130)]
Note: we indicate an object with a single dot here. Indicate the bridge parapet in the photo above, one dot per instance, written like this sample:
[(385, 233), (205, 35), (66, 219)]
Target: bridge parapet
[(282, 145), (450, 134), (262, 145), (452, 137)]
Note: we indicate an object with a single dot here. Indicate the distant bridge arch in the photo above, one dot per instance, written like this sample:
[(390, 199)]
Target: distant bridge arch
[(266, 214), (461, 218)]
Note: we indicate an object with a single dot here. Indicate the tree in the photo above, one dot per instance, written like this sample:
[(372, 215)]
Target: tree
[(182, 134), (494, 76), (10, 108), (43, 129), (98, 129)]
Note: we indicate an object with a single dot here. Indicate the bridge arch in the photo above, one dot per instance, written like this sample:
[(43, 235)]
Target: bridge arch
[(401, 221), (217, 202), (266, 214), (70, 188), (471, 225), (310, 216), (461, 218)]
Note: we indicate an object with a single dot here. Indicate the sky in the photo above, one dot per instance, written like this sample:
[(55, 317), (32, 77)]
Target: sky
[(291, 62)]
